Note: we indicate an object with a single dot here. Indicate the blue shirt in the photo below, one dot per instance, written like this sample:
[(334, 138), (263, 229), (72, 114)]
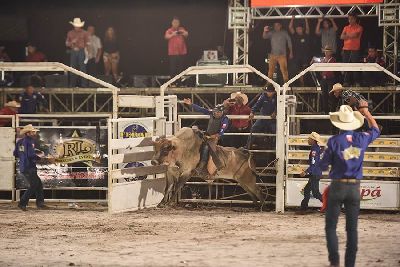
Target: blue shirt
[(224, 121), (313, 161), (345, 153), (25, 151), (29, 103), (267, 105)]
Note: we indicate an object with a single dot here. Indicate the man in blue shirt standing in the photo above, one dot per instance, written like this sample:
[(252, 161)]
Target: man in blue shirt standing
[(216, 128), (345, 154), (313, 171), (31, 101), (267, 103), (25, 151)]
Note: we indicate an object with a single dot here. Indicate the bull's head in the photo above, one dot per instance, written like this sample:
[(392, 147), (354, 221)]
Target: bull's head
[(162, 148)]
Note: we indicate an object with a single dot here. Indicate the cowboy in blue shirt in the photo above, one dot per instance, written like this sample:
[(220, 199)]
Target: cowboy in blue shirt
[(216, 128), (31, 101), (267, 103), (313, 171), (345, 154), (26, 152)]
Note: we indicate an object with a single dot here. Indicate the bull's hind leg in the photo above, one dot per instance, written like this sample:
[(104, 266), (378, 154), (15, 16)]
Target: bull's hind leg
[(248, 182)]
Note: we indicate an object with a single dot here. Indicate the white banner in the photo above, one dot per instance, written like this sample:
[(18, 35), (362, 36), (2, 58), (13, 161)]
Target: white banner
[(374, 194)]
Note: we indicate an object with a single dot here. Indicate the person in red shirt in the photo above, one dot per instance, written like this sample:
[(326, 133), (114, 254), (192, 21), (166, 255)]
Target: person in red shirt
[(237, 105), (10, 108), (33, 55), (177, 50), (351, 36), (373, 78)]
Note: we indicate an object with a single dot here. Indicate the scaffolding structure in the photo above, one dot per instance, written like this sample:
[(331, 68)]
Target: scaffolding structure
[(241, 16)]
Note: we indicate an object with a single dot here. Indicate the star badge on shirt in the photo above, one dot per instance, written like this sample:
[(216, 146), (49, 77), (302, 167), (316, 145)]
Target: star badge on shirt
[(351, 153)]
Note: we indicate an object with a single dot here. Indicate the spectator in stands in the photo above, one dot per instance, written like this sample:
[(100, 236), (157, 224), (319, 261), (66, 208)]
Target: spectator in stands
[(94, 51), (327, 80), (31, 101), (10, 108), (373, 78), (237, 105), (77, 41), (351, 37), (33, 55), (111, 55), (176, 36), (267, 103), (301, 46), (280, 41), (327, 33), (3, 55)]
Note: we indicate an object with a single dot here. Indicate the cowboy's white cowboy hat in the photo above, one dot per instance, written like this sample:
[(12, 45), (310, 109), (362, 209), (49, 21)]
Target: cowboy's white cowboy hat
[(315, 136), (77, 22), (28, 128), (12, 104), (335, 87), (346, 118), (242, 95)]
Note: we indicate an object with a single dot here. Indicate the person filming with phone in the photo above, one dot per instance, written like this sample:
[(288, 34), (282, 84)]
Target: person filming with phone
[(176, 36)]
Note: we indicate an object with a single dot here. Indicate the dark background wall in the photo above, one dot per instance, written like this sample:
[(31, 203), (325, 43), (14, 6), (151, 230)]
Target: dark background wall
[(140, 26)]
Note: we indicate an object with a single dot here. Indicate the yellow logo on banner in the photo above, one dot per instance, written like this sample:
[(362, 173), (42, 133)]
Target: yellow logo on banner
[(351, 153), (75, 149)]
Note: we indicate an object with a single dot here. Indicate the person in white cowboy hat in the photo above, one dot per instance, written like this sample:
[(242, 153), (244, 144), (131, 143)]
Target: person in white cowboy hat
[(349, 97), (345, 154), (237, 105), (77, 41), (10, 108), (26, 153), (313, 171)]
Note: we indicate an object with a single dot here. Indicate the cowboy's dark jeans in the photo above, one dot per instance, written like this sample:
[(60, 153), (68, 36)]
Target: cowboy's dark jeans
[(35, 188), (349, 195), (78, 62), (311, 186)]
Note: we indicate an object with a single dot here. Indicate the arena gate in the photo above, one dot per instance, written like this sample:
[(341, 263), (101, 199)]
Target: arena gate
[(132, 182)]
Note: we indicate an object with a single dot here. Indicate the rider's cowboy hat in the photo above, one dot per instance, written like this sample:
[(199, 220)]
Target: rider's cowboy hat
[(28, 128), (346, 118), (315, 136), (12, 104), (77, 23), (327, 48), (242, 95), (336, 87)]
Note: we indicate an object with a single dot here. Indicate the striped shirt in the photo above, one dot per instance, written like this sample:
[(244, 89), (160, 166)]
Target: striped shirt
[(348, 94)]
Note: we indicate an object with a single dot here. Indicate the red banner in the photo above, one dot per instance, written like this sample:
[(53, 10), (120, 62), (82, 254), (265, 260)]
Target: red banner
[(269, 3)]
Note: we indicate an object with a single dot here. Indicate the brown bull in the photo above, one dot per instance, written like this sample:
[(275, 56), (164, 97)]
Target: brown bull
[(181, 154)]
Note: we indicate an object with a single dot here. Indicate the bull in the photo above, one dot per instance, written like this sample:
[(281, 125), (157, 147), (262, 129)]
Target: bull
[(181, 154)]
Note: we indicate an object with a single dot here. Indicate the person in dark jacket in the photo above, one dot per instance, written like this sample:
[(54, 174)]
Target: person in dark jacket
[(313, 171), (26, 153), (31, 101), (267, 103), (216, 128)]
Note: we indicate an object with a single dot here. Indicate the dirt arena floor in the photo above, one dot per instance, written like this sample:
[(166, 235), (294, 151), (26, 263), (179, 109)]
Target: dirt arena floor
[(205, 236)]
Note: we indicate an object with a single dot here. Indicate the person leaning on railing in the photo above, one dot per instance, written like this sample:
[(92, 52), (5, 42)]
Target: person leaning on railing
[(267, 104), (237, 105), (31, 101)]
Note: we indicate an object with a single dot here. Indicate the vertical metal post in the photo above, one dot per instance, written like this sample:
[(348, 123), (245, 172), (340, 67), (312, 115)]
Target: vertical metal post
[(280, 150)]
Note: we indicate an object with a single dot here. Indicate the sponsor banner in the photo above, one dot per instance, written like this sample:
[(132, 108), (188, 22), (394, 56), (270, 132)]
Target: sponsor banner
[(374, 194), (281, 3), (79, 158), (135, 129)]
